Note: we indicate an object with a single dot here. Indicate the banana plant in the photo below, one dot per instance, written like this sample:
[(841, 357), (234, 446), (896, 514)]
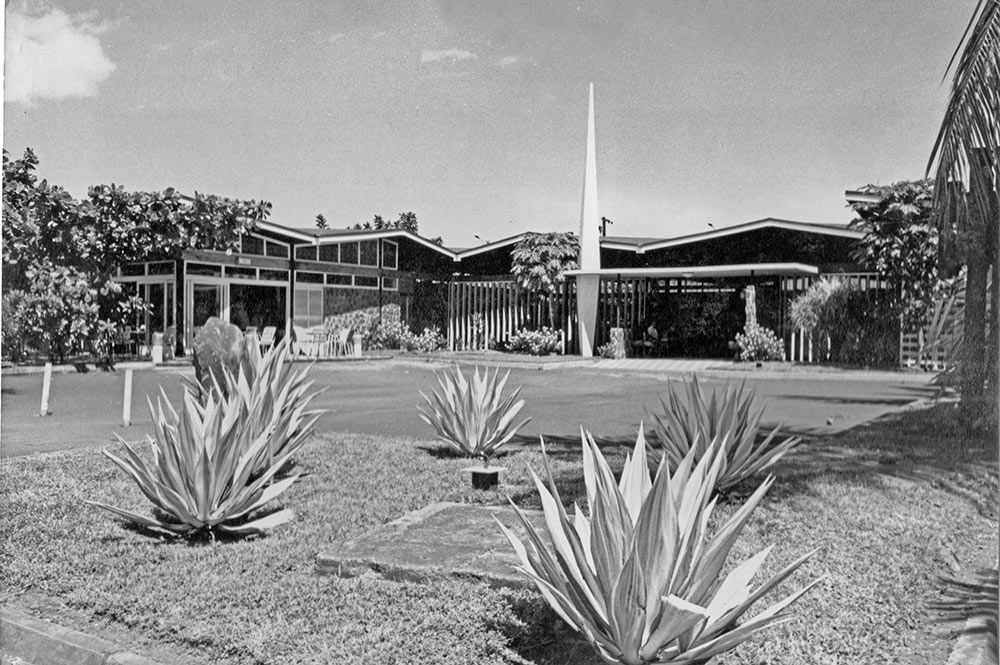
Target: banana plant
[(639, 576)]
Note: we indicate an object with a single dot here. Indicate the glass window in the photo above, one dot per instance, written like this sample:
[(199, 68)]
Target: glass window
[(253, 245), (365, 282), (389, 283), (308, 306), (337, 279), (133, 269), (349, 253), (369, 253), (390, 255), (309, 277), (276, 275), (241, 273), (274, 249), (161, 268), (204, 269), (306, 253), (329, 253)]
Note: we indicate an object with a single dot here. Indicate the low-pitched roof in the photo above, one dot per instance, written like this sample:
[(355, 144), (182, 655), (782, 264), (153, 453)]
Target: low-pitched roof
[(643, 245), (327, 236)]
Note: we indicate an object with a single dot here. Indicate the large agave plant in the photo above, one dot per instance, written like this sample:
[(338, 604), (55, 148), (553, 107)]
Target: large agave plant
[(696, 422), (640, 575), (471, 415), (273, 399), (216, 462)]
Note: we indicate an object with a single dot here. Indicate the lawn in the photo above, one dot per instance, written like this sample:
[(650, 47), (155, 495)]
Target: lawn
[(891, 505)]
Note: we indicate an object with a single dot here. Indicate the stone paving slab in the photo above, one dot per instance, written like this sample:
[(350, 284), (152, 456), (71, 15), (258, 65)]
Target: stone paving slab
[(438, 542)]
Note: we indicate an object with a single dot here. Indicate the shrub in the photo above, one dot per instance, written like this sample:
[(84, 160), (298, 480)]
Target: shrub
[(429, 340), (214, 464), (390, 334), (218, 349), (472, 416), (639, 576), (540, 342), (859, 326), (694, 425), (759, 343)]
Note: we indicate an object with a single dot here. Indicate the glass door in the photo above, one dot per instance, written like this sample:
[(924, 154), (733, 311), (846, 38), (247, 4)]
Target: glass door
[(205, 300)]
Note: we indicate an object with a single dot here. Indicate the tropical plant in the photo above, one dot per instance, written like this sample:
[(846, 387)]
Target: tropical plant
[(639, 576), (219, 347), (539, 342), (852, 323), (759, 343), (216, 462), (691, 424), (901, 245), (965, 162), (45, 230), (471, 415), (539, 262)]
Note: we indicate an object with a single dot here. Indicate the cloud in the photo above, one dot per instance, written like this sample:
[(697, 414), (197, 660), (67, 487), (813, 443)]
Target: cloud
[(509, 60), (53, 56), (453, 54)]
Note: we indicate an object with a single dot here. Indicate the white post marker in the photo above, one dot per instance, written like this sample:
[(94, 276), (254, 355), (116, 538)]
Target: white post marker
[(127, 404), (46, 384)]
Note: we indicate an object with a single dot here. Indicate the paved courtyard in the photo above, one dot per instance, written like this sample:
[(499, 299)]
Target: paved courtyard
[(380, 397)]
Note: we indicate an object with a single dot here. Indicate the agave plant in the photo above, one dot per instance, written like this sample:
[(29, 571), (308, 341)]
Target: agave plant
[(639, 576), (273, 398), (215, 463), (697, 423), (471, 415)]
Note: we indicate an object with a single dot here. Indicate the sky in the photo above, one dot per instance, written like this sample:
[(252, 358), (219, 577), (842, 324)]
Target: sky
[(472, 114)]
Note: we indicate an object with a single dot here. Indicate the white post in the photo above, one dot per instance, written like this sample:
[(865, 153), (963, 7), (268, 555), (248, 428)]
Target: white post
[(127, 404), (46, 384)]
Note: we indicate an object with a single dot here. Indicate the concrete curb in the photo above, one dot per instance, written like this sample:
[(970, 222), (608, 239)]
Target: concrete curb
[(45, 643), (971, 647)]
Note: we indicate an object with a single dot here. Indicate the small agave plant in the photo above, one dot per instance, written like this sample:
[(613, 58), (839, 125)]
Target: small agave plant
[(471, 415), (696, 423), (216, 462), (639, 577)]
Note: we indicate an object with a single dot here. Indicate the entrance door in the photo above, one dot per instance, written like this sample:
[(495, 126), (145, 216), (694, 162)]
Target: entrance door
[(206, 300)]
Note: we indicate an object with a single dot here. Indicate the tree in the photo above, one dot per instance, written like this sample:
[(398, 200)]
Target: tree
[(321, 222), (407, 222), (901, 245), (966, 165), (539, 263), (46, 232)]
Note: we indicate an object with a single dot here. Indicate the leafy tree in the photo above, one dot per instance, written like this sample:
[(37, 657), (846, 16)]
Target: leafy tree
[(46, 230), (321, 222), (966, 165), (539, 263), (901, 245)]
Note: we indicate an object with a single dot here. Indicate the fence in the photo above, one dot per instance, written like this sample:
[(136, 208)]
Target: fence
[(799, 344), (484, 313)]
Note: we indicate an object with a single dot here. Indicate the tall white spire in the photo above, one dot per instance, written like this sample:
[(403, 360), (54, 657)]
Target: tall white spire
[(588, 286), (590, 219)]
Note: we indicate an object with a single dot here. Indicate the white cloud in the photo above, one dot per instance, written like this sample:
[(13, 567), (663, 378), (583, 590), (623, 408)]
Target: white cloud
[(52, 56), (509, 61), (453, 54)]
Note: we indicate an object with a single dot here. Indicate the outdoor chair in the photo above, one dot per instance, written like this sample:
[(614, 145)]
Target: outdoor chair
[(267, 337), (340, 341)]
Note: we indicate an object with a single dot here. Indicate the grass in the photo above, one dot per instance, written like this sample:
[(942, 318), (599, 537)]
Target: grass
[(886, 503)]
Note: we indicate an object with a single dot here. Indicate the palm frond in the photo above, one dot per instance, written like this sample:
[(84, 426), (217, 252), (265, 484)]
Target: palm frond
[(966, 153)]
